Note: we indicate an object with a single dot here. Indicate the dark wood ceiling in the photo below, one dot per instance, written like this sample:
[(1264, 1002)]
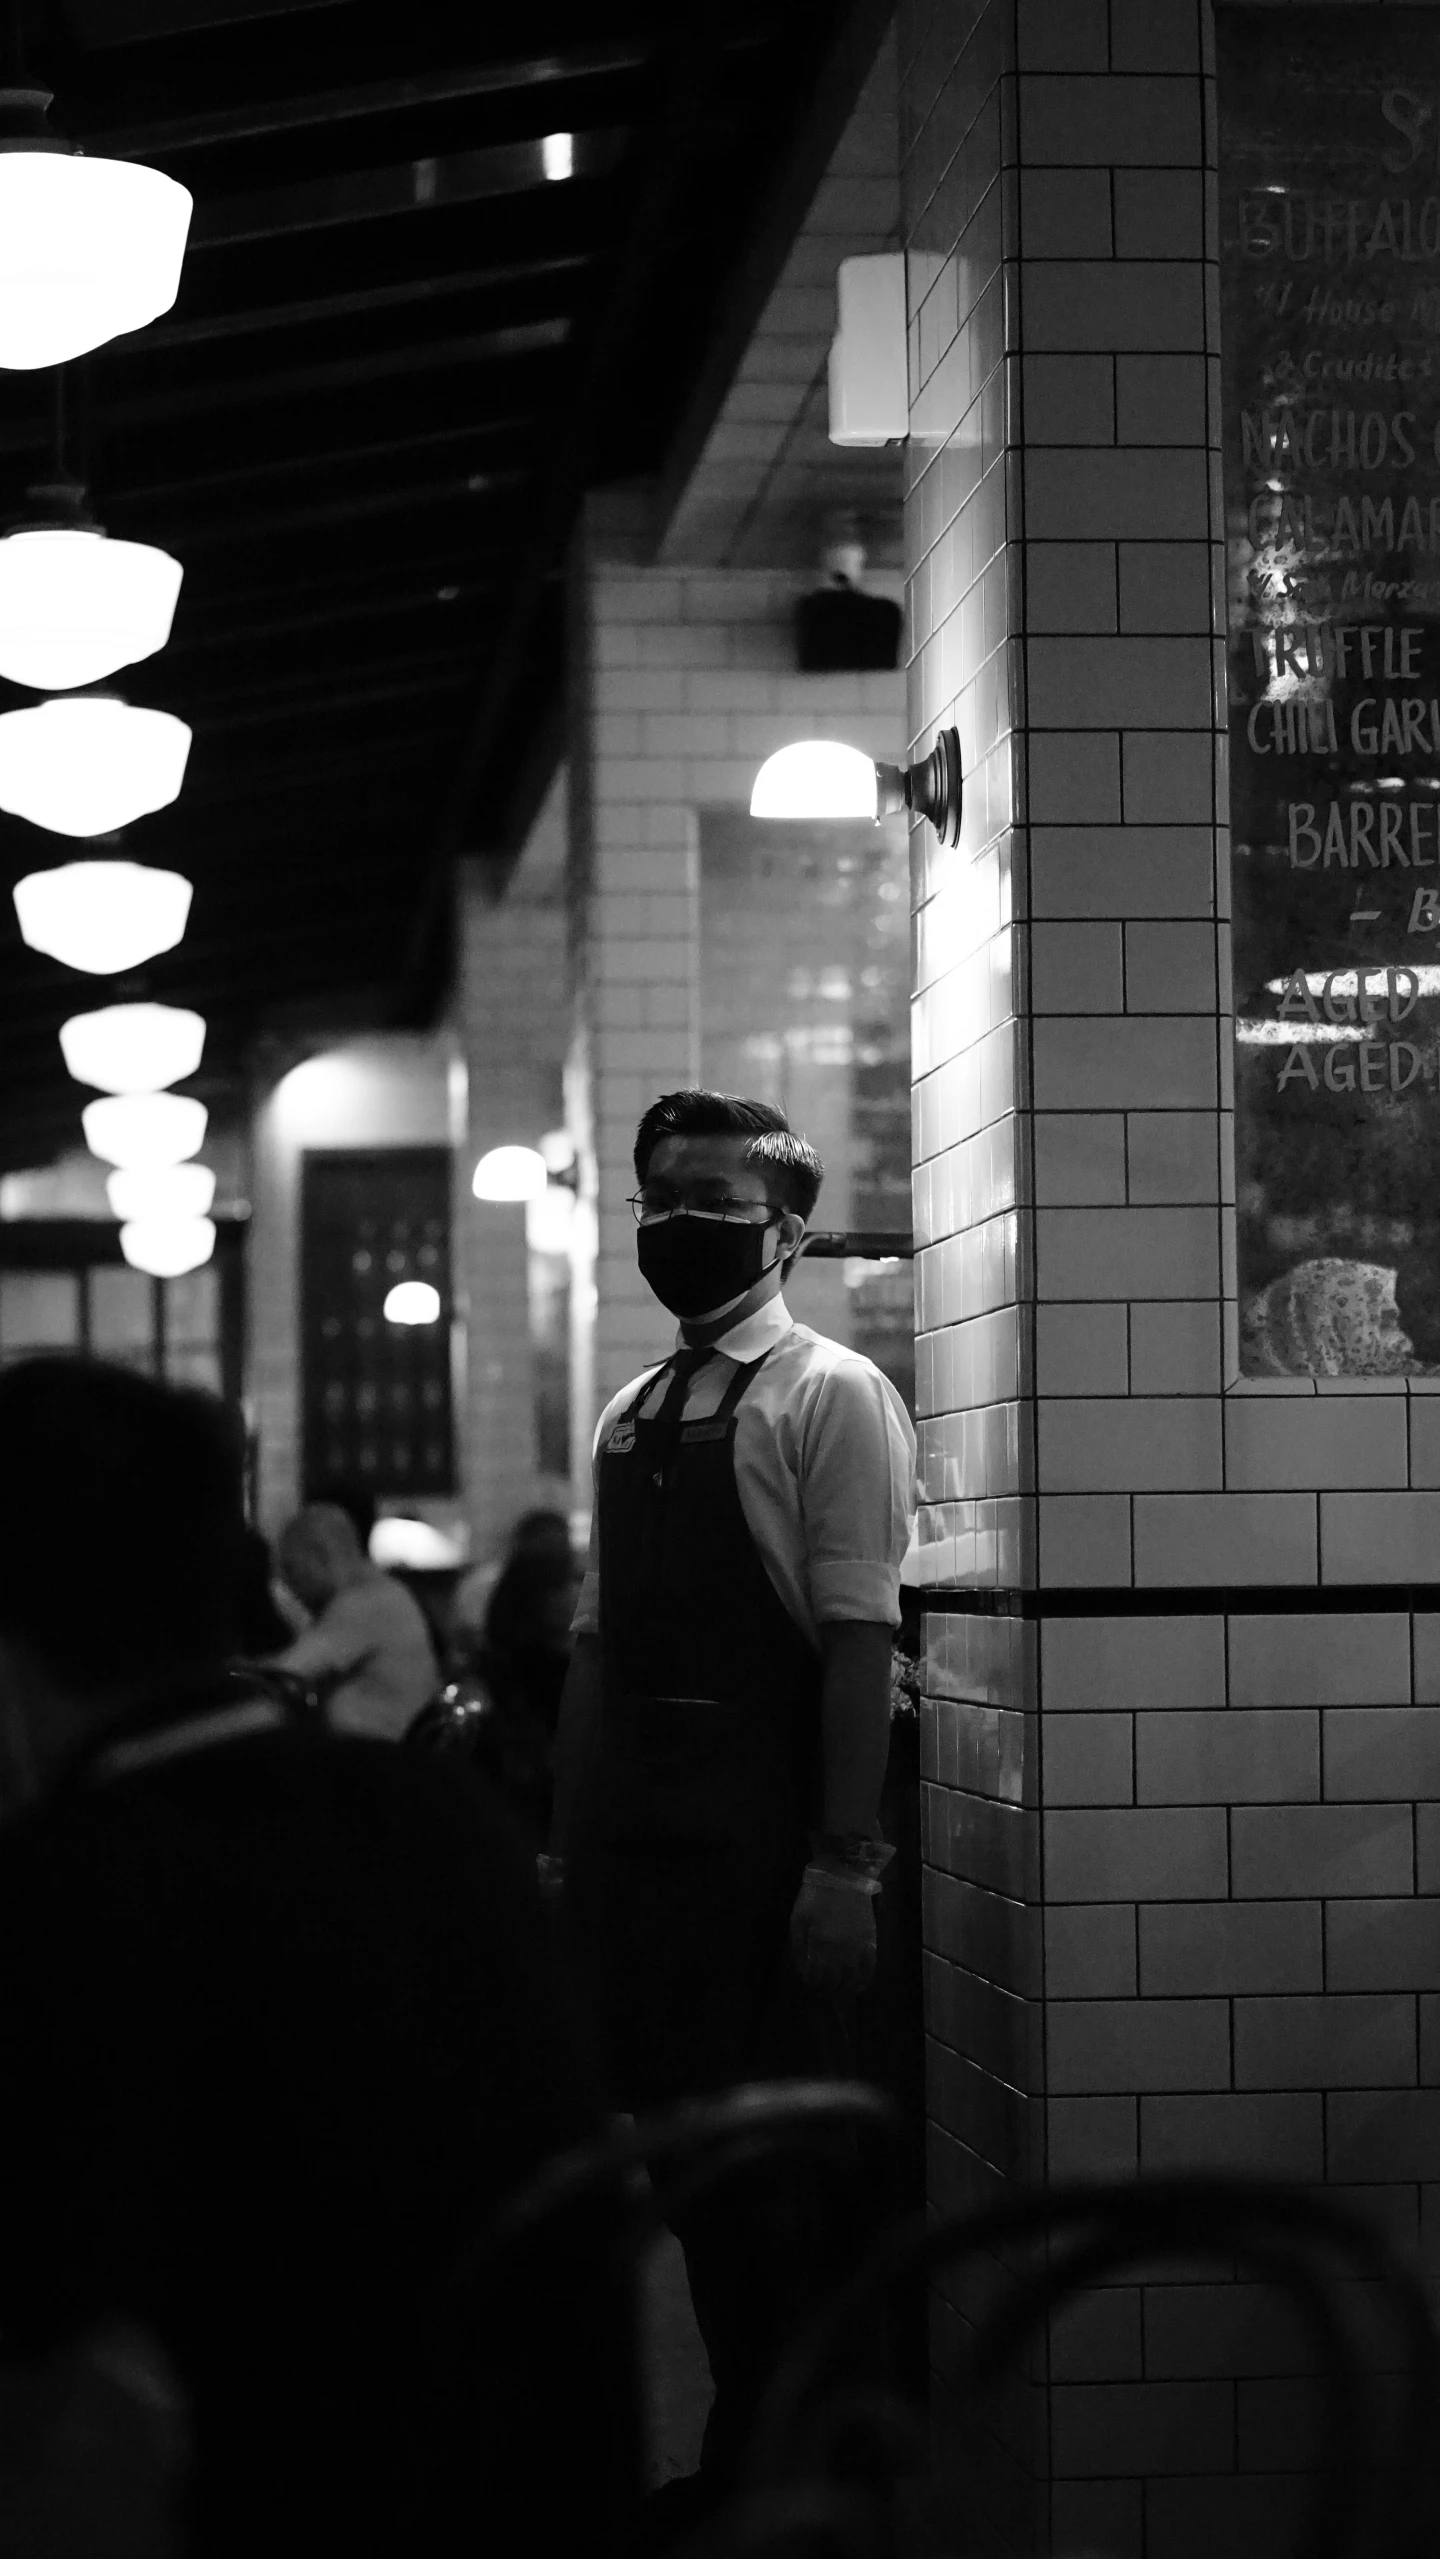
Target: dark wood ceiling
[(399, 356)]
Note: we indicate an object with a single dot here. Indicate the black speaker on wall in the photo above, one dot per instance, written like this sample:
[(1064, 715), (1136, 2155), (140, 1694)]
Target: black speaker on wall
[(839, 631)]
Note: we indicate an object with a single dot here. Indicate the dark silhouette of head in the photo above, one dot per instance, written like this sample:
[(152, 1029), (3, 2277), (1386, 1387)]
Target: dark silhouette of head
[(122, 1522), (541, 1533), (320, 1553), (342, 1494)]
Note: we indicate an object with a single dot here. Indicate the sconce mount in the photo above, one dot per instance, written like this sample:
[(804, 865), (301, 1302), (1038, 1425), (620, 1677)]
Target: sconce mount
[(932, 789)]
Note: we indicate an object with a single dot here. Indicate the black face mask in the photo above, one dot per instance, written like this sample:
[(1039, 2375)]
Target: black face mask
[(694, 1263)]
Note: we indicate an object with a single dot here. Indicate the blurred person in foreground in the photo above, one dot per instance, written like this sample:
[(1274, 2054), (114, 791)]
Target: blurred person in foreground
[(725, 1724), (260, 1624), (367, 1649), (280, 2031)]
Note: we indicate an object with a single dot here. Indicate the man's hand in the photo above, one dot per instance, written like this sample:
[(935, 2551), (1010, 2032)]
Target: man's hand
[(832, 1933)]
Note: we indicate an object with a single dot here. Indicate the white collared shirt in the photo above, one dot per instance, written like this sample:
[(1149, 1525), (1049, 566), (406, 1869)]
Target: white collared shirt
[(824, 1467), (373, 1641)]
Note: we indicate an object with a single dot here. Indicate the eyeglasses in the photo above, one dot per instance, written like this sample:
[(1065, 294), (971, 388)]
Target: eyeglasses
[(724, 1212)]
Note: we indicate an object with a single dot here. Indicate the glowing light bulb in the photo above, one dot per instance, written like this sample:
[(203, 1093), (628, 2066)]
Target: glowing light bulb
[(816, 778), (138, 1130), (102, 916), (133, 1048), (167, 1247), (88, 250), (89, 763), (74, 605), (147, 1192), (510, 1173), (412, 1302)]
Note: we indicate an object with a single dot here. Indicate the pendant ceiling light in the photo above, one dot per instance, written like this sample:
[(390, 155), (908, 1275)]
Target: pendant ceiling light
[(167, 1247), (88, 248), (164, 1191), (102, 916), (74, 605), (89, 763), (140, 1130), (133, 1048)]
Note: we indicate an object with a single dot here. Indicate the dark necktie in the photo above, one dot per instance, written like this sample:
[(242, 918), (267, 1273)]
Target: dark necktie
[(672, 1412)]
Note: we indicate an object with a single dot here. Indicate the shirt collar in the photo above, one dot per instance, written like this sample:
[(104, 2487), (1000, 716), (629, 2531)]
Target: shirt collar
[(758, 1333)]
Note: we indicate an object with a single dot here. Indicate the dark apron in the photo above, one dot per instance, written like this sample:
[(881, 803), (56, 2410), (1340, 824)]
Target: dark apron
[(691, 1832)]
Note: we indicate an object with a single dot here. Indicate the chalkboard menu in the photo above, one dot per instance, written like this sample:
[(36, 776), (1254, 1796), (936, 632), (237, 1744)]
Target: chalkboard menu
[(1330, 276)]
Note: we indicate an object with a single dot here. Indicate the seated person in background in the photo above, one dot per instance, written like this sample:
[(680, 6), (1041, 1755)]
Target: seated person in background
[(367, 1648), (524, 1657), (502, 1706), (354, 1498), (538, 1534), (280, 2030)]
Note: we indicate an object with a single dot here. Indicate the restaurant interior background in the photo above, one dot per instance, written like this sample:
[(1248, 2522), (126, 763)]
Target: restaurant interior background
[(491, 427)]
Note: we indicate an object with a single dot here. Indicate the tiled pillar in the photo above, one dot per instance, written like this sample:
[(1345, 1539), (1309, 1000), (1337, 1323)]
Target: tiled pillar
[(1183, 1802), (636, 881), (513, 1019)]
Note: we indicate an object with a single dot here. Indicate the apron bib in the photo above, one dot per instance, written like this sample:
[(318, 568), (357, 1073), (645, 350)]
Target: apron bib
[(691, 1833)]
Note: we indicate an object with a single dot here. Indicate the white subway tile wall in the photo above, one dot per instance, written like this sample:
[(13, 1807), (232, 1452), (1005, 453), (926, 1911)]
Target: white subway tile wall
[(513, 1020), (687, 682), (1181, 1909)]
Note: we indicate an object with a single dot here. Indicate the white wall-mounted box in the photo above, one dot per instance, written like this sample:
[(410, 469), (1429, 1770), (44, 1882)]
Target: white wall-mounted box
[(869, 392)]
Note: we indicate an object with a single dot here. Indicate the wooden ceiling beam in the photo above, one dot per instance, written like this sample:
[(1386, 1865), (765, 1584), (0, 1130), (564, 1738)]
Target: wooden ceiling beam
[(311, 462), (215, 328), (412, 187), (444, 85)]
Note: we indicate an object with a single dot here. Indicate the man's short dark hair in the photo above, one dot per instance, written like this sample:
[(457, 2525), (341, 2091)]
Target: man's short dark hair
[(121, 1520), (793, 1171)]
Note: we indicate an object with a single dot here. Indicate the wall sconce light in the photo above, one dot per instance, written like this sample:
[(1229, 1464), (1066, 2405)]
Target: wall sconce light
[(524, 1173), (561, 1162), (510, 1173), (412, 1302), (820, 778)]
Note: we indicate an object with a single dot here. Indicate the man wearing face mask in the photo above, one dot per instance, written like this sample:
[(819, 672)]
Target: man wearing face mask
[(725, 1725)]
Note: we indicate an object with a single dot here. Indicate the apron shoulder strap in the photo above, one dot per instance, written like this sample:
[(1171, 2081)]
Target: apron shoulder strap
[(645, 1387)]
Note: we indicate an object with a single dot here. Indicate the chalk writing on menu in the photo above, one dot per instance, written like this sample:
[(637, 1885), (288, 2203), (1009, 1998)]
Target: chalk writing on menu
[(1330, 374)]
